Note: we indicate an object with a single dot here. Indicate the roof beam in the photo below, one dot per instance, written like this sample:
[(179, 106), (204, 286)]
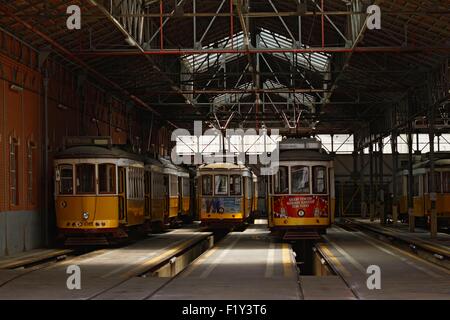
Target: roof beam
[(79, 61)]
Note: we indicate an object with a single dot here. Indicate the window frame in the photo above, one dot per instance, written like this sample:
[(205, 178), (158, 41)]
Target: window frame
[(14, 172), (114, 179), (173, 185), (226, 193), (185, 187), (275, 185), (292, 180), (314, 181), (94, 179), (31, 146), (211, 177), (232, 178), (59, 181), (445, 187)]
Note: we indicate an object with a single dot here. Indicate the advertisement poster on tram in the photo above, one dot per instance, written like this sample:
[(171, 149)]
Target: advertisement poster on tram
[(221, 205), (300, 207)]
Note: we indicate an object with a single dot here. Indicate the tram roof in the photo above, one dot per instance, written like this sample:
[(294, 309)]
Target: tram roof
[(223, 166), (300, 144), (96, 152), (301, 155)]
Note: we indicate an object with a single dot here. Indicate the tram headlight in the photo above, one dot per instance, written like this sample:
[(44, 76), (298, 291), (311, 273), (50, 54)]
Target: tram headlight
[(301, 213), (85, 215)]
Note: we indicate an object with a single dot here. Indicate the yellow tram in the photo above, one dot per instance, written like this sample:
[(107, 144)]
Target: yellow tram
[(99, 190), (225, 194), (421, 194), (155, 194), (171, 173), (301, 193), (184, 193)]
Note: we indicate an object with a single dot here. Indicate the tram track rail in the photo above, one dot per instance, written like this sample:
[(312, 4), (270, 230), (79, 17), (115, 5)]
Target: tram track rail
[(339, 261), (426, 250)]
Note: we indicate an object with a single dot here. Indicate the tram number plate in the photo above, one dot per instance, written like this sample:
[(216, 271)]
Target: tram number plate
[(85, 224)]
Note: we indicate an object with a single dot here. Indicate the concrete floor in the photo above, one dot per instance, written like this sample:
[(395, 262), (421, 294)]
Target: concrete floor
[(403, 275), (100, 270)]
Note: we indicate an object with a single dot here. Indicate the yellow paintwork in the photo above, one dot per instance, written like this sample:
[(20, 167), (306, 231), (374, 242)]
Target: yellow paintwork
[(157, 209), (185, 204), (173, 207), (403, 205), (300, 222), (135, 212), (418, 206), (101, 209), (422, 205), (442, 204), (221, 216)]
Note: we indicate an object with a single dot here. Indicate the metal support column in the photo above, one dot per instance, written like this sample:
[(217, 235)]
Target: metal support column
[(411, 217), (371, 186), (45, 171), (362, 185), (376, 178), (355, 175), (395, 204), (432, 183), (381, 191)]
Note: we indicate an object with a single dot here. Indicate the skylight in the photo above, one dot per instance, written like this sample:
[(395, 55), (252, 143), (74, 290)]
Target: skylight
[(312, 61)]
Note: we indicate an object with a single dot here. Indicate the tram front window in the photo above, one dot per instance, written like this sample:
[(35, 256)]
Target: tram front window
[(235, 185), (65, 179), (320, 181), (85, 178), (207, 185), (220, 182), (107, 178), (281, 181), (300, 179)]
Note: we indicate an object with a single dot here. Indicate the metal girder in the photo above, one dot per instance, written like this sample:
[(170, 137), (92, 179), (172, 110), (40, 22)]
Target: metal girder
[(62, 50), (135, 39)]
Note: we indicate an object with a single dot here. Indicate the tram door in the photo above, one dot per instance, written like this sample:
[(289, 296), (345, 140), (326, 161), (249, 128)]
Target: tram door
[(180, 195), (167, 198), (148, 194), (122, 194)]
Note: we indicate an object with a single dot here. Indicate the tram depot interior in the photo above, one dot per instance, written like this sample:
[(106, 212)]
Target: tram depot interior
[(226, 149)]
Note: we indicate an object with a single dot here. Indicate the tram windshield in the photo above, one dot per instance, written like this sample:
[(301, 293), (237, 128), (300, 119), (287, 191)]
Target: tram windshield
[(207, 185), (107, 178), (85, 178), (300, 179), (65, 179), (320, 181), (220, 183), (235, 185), (281, 181)]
